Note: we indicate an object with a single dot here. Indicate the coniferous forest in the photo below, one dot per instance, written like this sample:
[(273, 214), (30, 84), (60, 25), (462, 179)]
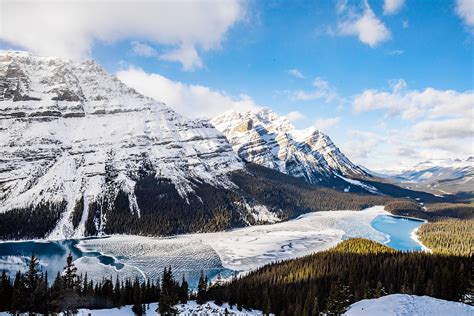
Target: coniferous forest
[(328, 282), (325, 282), (72, 289)]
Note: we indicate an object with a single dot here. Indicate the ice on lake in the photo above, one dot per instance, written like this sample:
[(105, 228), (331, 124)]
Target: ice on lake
[(223, 253)]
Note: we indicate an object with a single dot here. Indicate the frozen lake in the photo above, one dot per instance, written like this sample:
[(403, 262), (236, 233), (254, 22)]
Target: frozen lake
[(400, 230), (221, 253)]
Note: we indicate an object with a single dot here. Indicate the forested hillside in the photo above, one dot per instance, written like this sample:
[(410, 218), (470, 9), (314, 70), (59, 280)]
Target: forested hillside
[(356, 269), (450, 227)]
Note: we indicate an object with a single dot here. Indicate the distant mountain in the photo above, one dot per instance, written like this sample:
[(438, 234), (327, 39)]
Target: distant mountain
[(441, 177), (270, 140)]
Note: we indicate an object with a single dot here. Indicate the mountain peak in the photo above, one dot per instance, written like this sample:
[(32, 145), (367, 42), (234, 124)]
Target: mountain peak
[(266, 138)]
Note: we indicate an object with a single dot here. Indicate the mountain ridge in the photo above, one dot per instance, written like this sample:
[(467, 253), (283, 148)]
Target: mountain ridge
[(265, 138)]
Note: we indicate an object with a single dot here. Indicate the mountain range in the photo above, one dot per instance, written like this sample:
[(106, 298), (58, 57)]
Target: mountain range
[(444, 177), (83, 154)]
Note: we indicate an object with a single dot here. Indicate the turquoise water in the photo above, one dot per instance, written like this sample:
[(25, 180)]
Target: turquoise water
[(399, 229), (15, 256)]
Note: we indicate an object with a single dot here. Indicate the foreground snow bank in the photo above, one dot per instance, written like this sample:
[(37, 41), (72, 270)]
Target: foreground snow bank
[(403, 304), (191, 308)]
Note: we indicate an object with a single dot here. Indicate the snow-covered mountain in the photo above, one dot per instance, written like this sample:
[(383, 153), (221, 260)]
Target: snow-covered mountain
[(442, 177), (270, 140), (83, 154), (72, 135)]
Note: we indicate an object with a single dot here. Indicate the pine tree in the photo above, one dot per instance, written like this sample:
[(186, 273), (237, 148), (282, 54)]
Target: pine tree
[(31, 283), (69, 288), (339, 299), (137, 307), (70, 278), (201, 290), (168, 295), (6, 290), (183, 291), (19, 293)]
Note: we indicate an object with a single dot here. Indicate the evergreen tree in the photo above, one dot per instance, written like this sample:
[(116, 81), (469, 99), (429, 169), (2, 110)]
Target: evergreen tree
[(202, 288), (339, 298), (183, 291), (6, 291), (31, 281), (69, 288), (137, 307), (70, 278), (19, 295), (169, 294)]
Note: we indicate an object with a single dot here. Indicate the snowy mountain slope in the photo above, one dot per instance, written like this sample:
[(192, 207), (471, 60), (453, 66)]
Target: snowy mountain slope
[(442, 177), (407, 305), (270, 140), (70, 133)]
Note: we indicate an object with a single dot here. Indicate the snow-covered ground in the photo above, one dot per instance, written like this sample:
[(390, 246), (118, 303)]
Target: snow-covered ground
[(240, 249), (409, 305), (191, 308)]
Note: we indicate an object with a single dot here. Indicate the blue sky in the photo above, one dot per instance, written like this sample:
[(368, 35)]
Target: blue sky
[(390, 81)]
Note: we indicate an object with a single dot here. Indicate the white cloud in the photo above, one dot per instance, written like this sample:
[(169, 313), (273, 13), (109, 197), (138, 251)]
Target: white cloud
[(405, 24), (70, 28), (295, 116), (465, 10), (327, 123), (187, 55), (142, 49), (189, 100), (392, 6), (413, 104), (456, 129), (365, 25), (296, 73), (437, 124), (322, 90), (361, 144)]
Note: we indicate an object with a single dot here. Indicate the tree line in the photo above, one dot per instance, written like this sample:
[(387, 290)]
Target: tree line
[(70, 291)]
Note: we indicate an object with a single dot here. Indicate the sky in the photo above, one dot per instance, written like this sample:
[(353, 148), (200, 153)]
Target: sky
[(390, 81)]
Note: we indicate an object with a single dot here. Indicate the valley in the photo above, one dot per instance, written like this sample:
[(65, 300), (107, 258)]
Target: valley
[(131, 189), (220, 254)]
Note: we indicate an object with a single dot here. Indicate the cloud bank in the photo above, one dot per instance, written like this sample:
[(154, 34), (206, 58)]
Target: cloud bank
[(434, 124), (194, 101), (414, 104), (70, 28)]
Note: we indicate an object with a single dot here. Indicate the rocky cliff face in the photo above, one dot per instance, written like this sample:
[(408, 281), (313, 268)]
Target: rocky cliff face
[(70, 132), (272, 141)]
